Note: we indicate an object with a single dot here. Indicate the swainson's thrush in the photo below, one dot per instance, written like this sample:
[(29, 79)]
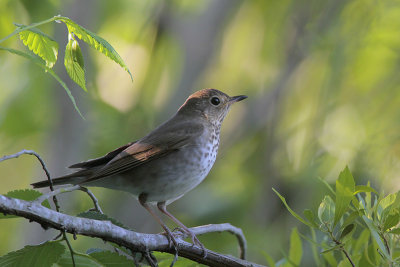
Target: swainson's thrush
[(165, 164)]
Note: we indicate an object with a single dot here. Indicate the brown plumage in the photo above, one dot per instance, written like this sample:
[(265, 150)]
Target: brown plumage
[(165, 164)]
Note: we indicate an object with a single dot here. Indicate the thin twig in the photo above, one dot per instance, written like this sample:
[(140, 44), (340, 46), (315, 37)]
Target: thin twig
[(224, 227), (57, 192), (55, 200), (92, 196), (70, 189)]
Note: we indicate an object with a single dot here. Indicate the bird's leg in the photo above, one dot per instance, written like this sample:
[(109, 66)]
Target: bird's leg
[(170, 236), (163, 208)]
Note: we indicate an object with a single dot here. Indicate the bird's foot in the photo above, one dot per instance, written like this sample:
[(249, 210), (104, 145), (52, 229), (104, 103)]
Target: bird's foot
[(193, 237)]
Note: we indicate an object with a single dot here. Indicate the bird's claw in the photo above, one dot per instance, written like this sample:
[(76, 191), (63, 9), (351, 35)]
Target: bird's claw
[(195, 241)]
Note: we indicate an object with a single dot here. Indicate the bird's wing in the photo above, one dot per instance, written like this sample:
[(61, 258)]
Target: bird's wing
[(101, 160), (160, 143)]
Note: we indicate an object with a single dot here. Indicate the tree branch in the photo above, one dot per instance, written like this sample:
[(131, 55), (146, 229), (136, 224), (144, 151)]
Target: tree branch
[(134, 241)]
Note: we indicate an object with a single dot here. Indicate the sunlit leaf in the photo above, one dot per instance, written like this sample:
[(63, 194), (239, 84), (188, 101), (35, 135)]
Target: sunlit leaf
[(41, 44), (326, 210), (95, 42), (344, 193), (44, 255), (363, 189), (73, 62)]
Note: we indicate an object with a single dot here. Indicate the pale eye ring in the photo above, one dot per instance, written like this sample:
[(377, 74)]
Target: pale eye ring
[(215, 101)]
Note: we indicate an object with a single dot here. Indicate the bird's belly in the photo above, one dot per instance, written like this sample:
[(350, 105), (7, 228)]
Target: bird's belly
[(164, 179)]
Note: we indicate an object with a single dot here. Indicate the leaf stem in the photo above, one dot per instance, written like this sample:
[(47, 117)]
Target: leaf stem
[(21, 29)]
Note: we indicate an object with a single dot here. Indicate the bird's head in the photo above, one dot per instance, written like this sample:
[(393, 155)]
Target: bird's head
[(210, 103)]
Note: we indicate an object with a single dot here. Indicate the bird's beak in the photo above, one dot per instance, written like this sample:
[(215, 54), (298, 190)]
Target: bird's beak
[(237, 98)]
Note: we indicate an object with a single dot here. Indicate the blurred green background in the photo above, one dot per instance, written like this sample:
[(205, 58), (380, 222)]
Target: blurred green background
[(324, 92)]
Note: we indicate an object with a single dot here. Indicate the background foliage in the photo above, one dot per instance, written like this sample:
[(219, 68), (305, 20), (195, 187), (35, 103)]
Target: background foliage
[(322, 80)]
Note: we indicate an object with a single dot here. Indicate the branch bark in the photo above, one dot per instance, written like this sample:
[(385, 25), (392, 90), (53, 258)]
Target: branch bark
[(107, 231)]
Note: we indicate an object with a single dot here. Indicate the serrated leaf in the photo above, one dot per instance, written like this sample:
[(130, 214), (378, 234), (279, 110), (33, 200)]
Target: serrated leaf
[(111, 259), (298, 217), (73, 62), (347, 230), (44, 255), (81, 260), (375, 234), (296, 250), (41, 44), (95, 42), (24, 194), (41, 64), (344, 193), (101, 217)]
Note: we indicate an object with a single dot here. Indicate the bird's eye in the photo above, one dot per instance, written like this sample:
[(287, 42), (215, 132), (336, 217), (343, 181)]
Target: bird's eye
[(215, 101)]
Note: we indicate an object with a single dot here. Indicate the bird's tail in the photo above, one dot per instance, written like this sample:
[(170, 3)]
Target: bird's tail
[(73, 178)]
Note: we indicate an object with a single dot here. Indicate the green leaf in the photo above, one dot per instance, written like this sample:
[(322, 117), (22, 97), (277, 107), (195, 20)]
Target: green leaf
[(347, 230), (327, 185), (73, 62), (395, 231), (351, 218), (81, 260), (326, 210), (375, 234), (270, 261), (391, 220), (298, 217), (41, 44), (363, 189), (42, 255), (41, 64), (101, 217), (332, 249), (24, 194), (94, 41), (310, 217), (296, 250), (362, 241), (344, 263), (111, 259), (344, 193)]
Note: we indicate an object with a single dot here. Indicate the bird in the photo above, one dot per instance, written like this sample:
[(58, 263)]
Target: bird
[(165, 164)]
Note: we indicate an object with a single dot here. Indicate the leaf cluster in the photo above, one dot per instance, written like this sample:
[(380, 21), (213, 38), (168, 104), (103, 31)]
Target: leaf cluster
[(45, 50), (355, 225)]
